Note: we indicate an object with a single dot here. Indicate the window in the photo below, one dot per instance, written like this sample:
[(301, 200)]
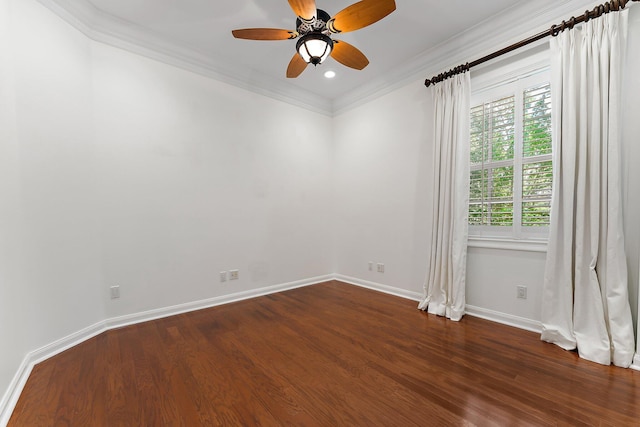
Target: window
[(511, 165)]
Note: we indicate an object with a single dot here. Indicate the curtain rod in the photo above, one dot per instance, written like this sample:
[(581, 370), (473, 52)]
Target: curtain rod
[(611, 6)]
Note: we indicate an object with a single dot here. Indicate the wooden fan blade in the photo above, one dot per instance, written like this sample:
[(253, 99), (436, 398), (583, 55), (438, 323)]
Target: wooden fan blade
[(264, 34), (296, 66), (360, 15), (348, 55), (304, 9)]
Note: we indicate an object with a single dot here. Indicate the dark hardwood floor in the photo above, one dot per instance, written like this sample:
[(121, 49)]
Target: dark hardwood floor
[(325, 355)]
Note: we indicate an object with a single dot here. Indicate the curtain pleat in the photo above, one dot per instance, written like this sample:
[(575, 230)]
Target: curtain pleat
[(445, 283)]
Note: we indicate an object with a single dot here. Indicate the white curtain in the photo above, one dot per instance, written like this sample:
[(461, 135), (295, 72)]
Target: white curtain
[(585, 296), (445, 283)]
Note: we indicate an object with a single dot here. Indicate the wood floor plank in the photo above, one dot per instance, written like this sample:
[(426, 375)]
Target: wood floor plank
[(329, 354), (327, 379)]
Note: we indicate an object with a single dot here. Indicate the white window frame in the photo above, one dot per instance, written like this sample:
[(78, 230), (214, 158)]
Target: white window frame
[(493, 87)]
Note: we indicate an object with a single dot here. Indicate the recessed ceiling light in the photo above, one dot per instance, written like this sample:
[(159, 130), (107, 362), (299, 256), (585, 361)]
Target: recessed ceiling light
[(330, 74)]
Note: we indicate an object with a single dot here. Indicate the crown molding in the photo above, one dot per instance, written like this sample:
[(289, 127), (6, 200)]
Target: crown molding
[(521, 20), (104, 28)]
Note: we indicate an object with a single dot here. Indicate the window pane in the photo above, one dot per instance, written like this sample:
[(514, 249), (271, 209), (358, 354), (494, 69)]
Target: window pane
[(501, 214), (477, 135), (502, 117), (537, 121), (537, 179), (502, 183), (478, 189), (491, 196), (501, 196), (477, 196), (477, 214), (493, 131), (536, 214)]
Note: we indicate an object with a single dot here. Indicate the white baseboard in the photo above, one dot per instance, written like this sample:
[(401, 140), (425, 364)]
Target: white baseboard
[(132, 319), (415, 296), (8, 402), (503, 318), (483, 313), (10, 398)]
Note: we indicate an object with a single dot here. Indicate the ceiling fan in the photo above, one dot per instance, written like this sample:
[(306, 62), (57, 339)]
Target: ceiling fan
[(314, 28)]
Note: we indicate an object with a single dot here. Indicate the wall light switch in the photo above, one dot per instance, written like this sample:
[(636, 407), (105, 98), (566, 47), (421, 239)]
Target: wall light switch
[(115, 292), (522, 292)]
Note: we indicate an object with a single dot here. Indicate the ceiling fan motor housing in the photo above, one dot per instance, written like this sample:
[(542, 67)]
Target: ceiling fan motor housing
[(319, 24)]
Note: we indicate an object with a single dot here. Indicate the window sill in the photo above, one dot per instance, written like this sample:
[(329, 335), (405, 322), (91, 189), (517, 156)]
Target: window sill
[(526, 245)]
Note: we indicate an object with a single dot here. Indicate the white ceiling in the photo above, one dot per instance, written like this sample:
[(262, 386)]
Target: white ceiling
[(199, 31), (205, 26)]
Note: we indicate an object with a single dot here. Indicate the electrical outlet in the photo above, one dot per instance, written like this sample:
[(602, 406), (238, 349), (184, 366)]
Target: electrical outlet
[(380, 268), (115, 292), (223, 276), (522, 292), (370, 265), (233, 274)]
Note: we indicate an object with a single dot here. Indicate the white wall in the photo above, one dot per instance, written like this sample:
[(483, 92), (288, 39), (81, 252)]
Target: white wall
[(116, 169), (197, 177), (11, 355), (49, 249), (57, 160), (382, 175)]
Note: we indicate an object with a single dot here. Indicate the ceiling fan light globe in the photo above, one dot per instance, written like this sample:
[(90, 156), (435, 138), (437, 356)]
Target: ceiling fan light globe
[(314, 48)]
